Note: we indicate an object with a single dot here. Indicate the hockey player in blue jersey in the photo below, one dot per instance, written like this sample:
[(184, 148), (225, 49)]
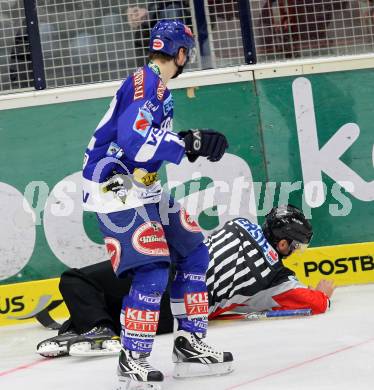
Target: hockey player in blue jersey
[(121, 185)]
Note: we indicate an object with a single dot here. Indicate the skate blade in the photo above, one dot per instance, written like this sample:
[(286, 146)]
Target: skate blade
[(84, 349), (190, 370), (129, 384), (52, 350)]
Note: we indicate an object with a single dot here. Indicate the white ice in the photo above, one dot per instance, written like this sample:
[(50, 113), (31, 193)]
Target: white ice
[(330, 351)]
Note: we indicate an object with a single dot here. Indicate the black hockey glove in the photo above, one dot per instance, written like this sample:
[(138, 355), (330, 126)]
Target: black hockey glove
[(204, 142)]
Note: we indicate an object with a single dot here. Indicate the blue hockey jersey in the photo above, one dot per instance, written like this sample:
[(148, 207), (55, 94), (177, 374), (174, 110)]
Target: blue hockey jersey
[(135, 135)]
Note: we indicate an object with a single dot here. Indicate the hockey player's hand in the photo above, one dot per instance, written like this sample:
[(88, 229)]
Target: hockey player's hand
[(326, 286), (204, 142)]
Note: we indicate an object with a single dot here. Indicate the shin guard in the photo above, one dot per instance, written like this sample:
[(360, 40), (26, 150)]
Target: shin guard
[(141, 308), (139, 320), (189, 302)]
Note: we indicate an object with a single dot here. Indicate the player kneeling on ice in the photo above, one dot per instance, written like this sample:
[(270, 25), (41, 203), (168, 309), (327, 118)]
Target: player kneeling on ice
[(120, 184), (245, 275)]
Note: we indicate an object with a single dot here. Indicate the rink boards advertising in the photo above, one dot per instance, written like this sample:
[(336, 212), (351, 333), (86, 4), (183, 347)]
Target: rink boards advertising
[(304, 139)]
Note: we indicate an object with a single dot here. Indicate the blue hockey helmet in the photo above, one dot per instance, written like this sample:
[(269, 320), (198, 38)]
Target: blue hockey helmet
[(168, 36)]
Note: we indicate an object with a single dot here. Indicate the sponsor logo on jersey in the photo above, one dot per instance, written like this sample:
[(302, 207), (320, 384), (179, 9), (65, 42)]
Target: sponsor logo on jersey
[(168, 104), (141, 320), (188, 222), (114, 151), (138, 80), (143, 121), (146, 178), (160, 90), (150, 106), (155, 136), (149, 239), (113, 247), (340, 266), (256, 232), (157, 44), (196, 304), (167, 124)]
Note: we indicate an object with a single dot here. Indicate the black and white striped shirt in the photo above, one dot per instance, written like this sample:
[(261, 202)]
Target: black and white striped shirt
[(242, 263)]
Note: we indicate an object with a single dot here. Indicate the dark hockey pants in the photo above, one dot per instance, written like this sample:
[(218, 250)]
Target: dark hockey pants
[(94, 296)]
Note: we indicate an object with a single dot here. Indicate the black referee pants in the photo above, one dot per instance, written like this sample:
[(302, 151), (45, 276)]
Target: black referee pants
[(94, 296)]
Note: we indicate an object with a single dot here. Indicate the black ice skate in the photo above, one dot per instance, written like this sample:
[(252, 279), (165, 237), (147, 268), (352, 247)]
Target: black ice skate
[(98, 341), (56, 346), (193, 357), (135, 372)]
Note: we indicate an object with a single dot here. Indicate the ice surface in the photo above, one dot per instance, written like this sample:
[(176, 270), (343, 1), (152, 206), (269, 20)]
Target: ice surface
[(330, 351)]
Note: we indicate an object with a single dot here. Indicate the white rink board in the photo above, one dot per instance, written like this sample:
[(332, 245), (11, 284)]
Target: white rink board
[(330, 351)]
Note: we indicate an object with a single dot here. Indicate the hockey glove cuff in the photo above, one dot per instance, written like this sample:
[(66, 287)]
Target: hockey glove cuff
[(204, 142)]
